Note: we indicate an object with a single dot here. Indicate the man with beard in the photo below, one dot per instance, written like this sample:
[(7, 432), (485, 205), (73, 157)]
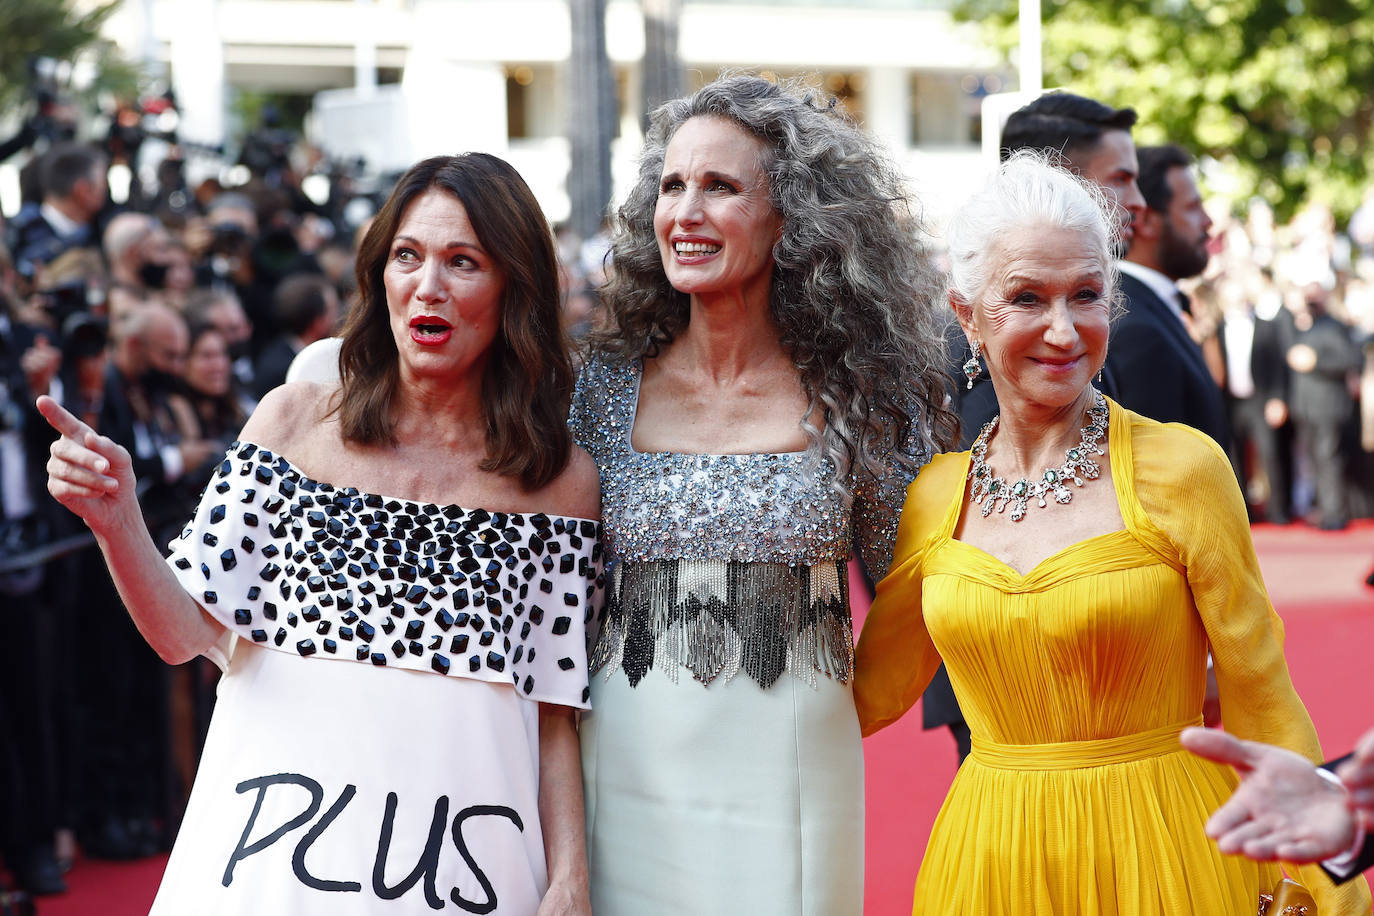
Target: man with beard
[(1157, 369)]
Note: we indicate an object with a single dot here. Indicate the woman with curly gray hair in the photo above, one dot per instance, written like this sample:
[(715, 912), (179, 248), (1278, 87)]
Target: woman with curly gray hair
[(768, 387)]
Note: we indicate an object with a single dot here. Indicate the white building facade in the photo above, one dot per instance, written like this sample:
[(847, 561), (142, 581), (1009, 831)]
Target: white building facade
[(396, 80)]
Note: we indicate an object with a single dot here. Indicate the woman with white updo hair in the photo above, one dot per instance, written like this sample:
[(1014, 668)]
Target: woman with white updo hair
[(1072, 570)]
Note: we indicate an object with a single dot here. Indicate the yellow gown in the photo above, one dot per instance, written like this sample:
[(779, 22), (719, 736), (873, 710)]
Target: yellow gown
[(1076, 678)]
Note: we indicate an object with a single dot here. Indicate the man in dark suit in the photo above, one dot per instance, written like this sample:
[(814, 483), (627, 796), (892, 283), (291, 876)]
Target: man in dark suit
[(307, 308), (1285, 808), (1255, 343), (30, 686), (1322, 357), (1157, 368), (125, 742), (74, 192)]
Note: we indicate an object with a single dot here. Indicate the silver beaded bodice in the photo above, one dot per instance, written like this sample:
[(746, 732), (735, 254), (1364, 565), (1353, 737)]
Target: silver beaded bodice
[(717, 530)]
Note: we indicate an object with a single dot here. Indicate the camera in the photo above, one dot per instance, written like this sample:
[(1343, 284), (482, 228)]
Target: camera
[(66, 299), (52, 119)]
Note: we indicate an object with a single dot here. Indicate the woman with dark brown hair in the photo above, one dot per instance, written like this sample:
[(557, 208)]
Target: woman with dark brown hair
[(394, 575), (209, 403)]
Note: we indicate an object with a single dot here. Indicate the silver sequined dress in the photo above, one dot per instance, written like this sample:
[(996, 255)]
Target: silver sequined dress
[(722, 758)]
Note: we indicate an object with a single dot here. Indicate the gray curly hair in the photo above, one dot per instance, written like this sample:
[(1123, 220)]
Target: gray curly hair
[(854, 287)]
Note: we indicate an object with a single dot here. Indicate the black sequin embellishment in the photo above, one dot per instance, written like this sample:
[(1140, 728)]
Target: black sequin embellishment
[(330, 557)]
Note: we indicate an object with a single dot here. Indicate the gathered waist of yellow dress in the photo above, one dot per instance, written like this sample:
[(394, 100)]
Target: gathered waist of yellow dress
[(1077, 755)]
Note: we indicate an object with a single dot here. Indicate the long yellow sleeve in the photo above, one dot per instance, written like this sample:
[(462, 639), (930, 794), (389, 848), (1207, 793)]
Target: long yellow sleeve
[(1187, 488), (895, 658)]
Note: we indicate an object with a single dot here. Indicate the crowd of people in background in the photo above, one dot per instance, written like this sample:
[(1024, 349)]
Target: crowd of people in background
[(1285, 316), (160, 322)]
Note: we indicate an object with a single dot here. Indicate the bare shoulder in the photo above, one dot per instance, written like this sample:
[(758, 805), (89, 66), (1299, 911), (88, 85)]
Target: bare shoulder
[(576, 492), (290, 416)]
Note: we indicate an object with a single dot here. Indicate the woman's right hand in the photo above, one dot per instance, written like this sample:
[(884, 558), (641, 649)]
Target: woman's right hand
[(90, 474)]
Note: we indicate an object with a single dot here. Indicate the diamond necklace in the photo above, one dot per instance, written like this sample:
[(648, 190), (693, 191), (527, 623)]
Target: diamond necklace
[(992, 492)]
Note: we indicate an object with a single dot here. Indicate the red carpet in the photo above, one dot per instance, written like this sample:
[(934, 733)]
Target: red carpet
[(1315, 579)]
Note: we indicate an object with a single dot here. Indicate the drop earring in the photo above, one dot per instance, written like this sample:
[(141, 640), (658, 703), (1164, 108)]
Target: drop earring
[(972, 368)]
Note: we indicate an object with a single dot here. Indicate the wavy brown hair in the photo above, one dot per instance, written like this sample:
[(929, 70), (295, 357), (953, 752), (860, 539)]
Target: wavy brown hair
[(528, 378), (855, 294)]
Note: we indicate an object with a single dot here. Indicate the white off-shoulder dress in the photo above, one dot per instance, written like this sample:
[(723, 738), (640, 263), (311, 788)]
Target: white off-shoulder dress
[(374, 748)]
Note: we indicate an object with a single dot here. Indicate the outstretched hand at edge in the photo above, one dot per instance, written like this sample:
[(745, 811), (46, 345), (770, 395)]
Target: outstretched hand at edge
[(1282, 808)]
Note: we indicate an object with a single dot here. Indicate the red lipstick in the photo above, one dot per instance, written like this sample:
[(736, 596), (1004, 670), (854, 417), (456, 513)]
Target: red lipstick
[(430, 330)]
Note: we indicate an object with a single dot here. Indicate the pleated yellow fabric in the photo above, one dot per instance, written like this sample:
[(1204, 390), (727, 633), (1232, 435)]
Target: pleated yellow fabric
[(1076, 678)]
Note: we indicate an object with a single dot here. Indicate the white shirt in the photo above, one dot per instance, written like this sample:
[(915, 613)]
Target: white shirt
[(62, 224), (1238, 331), (1160, 285)]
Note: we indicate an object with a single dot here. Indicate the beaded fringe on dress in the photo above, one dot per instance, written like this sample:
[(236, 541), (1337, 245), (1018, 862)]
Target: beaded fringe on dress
[(716, 618)]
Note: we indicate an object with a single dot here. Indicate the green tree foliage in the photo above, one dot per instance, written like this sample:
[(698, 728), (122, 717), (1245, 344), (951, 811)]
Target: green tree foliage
[(1280, 92), (55, 29)]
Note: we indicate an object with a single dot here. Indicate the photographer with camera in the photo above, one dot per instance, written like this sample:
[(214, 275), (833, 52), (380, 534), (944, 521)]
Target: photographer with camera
[(29, 688), (125, 737)]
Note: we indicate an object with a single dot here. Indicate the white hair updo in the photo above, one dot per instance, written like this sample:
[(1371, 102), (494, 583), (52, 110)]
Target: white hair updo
[(1030, 189)]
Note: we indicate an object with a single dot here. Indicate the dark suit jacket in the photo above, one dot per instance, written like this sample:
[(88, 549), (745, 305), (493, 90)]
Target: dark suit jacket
[(1157, 369), (123, 423), (33, 241), (1364, 861), (1322, 393), (1366, 857), (975, 406), (270, 369), (1269, 356)]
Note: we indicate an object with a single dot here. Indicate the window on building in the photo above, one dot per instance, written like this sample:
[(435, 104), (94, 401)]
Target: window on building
[(946, 106)]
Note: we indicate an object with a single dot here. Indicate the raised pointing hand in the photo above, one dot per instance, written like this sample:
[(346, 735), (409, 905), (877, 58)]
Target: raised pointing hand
[(88, 473)]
